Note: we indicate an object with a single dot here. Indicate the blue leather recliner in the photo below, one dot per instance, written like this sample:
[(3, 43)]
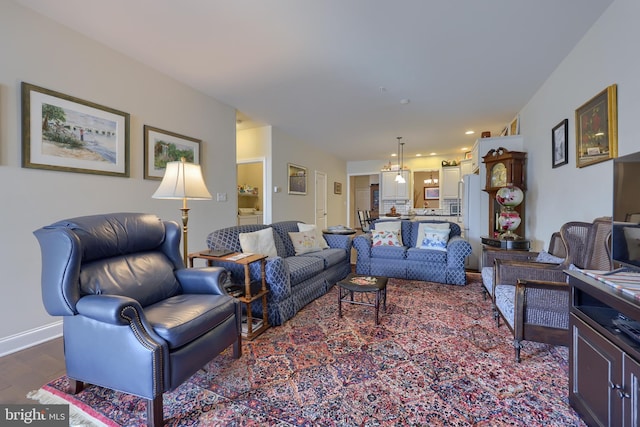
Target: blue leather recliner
[(135, 319)]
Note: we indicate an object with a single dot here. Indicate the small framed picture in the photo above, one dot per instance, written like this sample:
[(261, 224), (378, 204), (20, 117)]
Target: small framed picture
[(560, 144), (514, 126), (162, 146), (337, 188)]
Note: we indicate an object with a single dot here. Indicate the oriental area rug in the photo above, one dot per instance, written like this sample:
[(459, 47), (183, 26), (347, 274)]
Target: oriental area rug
[(436, 359)]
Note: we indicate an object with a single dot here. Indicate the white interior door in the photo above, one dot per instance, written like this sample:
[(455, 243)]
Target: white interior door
[(321, 199)]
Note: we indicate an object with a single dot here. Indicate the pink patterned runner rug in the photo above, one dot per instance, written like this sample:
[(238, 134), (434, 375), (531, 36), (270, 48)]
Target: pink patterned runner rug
[(436, 359)]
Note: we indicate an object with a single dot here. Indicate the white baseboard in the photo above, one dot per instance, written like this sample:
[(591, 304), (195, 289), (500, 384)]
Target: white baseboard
[(29, 338)]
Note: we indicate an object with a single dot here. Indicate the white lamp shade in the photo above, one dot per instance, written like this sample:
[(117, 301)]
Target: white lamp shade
[(182, 180)]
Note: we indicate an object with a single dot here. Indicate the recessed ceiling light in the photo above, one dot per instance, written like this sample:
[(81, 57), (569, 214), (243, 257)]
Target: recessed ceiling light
[(418, 155), (394, 155), (432, 154), (464, 149), (469, 132)]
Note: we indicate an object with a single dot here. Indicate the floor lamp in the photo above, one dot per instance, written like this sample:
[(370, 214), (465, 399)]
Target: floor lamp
[(183, 181)]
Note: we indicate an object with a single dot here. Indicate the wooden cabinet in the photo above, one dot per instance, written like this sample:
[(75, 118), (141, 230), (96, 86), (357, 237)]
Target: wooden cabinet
[(392, 190), (449, 181), (604, 369)]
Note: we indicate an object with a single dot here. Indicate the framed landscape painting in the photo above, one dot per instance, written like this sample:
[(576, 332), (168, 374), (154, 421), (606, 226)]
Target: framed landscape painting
[(64, 133), (162, 147), (597, 128)]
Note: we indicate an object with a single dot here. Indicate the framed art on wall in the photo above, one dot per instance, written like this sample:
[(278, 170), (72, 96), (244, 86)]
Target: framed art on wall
[(337, 188), (297, 179), (162, 146), (514, 126), (597, 128), (560, 144), (431, 193), (64, 133)]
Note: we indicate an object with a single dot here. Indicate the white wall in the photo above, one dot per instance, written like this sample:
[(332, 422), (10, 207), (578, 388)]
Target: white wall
[(606, 55), (38, 51), (286, 149)]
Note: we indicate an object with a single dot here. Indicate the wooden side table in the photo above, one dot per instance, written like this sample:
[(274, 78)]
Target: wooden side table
[(248, 297)]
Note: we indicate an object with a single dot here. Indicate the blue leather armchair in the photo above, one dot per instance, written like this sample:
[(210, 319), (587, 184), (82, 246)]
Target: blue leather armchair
[(135, 320)]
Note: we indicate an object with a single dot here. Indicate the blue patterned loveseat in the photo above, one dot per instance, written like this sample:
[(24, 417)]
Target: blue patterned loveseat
[(293, 280), (411, 262)]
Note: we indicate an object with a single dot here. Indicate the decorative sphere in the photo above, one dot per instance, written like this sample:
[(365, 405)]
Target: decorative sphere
[(510, 196)]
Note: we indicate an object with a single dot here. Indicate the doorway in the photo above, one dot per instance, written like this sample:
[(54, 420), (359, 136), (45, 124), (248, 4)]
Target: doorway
[(250, 175)]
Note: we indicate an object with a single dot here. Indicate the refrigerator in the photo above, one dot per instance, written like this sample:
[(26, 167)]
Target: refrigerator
[(471, 218)]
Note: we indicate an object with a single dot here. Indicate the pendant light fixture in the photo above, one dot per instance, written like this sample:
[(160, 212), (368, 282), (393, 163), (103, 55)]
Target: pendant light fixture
[(399, 178), (431, 179)]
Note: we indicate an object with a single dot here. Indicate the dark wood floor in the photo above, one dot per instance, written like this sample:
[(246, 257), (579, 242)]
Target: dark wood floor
[(30, 369)]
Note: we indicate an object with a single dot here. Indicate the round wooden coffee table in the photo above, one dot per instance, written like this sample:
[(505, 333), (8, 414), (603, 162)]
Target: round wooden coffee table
[(371, 290)]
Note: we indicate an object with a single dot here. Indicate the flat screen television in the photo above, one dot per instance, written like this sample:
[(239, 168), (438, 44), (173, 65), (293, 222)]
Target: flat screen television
[(625, 237)]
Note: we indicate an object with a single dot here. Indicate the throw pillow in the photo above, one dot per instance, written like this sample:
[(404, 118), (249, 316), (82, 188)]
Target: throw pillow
[(435, 239), (544, 256), (432, 226), (394, 226), (384, 238), (632, 236), (319, 236), (304, 242), (258, 242)]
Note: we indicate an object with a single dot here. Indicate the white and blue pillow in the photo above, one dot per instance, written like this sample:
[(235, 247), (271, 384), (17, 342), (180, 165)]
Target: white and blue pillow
[(435, 239)]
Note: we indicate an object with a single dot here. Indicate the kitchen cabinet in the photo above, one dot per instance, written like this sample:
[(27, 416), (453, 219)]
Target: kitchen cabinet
[(466, 167), (604, 369), (449, 179), (475, 158), (392, 190)]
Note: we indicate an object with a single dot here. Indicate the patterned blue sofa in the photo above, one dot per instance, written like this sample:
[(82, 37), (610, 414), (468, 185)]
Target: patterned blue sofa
[(410, 262), (293, 280)]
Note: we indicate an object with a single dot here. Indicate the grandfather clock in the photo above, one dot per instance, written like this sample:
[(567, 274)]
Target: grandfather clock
[(504, 167)]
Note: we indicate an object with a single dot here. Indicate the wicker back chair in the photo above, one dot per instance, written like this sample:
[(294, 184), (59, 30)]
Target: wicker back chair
[(533, 297)]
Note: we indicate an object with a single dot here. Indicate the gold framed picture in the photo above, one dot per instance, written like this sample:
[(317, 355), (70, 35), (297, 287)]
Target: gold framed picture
[(597, 128)]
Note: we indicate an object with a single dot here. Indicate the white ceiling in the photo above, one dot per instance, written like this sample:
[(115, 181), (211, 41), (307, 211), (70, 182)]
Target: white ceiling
[(333, 73)]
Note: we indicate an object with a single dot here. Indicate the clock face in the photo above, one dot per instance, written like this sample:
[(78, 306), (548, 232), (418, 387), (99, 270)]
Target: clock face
[(499, 175)]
